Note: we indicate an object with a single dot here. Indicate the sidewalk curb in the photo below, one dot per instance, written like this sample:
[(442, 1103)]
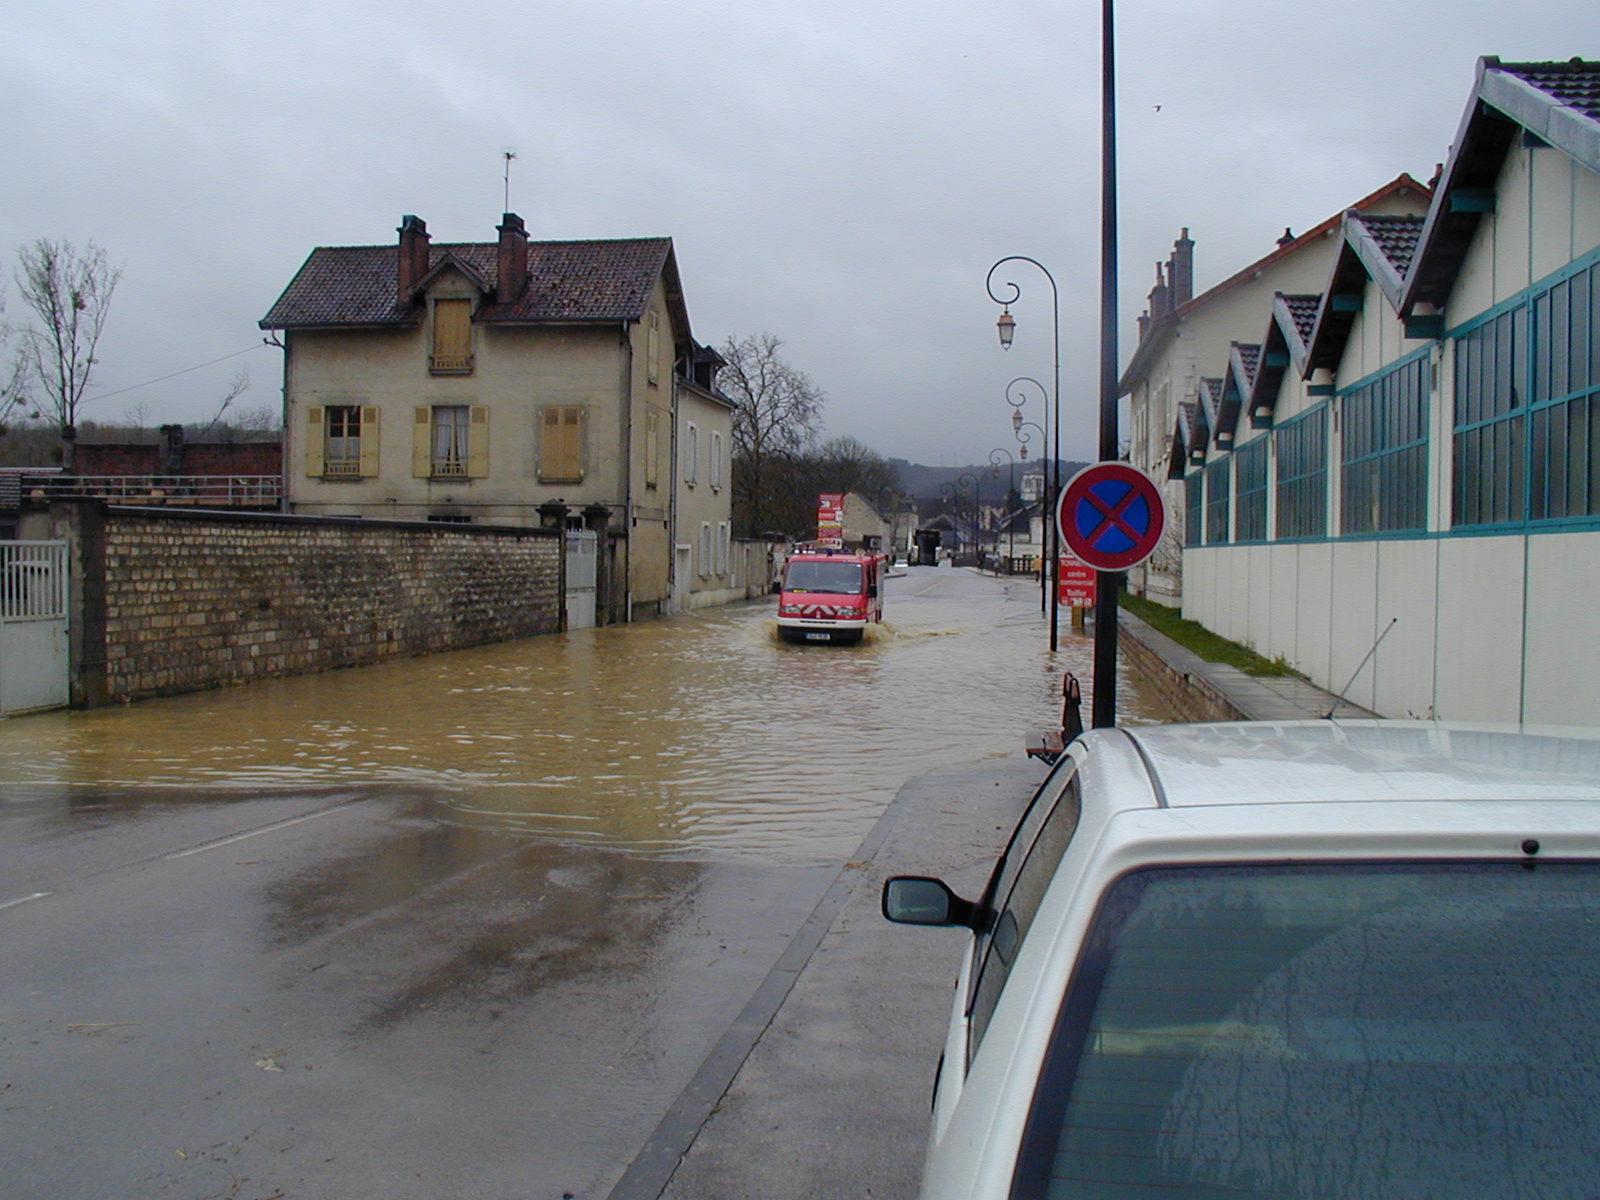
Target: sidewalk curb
[(652, 1169)]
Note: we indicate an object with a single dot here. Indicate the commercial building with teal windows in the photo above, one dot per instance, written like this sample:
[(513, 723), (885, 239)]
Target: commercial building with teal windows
[(1412, 460)]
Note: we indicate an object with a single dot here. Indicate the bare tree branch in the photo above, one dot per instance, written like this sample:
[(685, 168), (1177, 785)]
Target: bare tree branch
[(69, 293), (775, 419), (236, 388)]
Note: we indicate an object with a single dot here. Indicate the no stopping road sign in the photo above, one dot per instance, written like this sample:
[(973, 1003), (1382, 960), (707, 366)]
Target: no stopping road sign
[(1111, 516)]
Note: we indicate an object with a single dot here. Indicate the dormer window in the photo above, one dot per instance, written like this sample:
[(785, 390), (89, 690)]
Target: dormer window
[(452, 338)]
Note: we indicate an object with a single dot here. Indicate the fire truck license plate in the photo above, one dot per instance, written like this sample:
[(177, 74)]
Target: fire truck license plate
[(817, 637)]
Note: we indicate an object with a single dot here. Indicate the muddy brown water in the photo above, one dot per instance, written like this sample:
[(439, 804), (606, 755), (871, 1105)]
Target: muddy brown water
[(703, 734)]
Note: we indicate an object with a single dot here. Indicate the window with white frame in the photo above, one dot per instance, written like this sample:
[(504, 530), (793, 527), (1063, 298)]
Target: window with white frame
[(691, 454), (705, 548), (450, 439), (722, 547), (716, 459)]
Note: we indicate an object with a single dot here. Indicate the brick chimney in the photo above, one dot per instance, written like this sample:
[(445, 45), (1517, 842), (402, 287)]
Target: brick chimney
[(511, 263), (1181, 274), (1144, 325), (1160, 297), (413, 255)]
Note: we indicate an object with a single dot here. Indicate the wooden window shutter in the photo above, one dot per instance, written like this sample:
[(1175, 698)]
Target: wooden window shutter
[(314, 440), (452, 335), (369, 441), (652, 448), (549, 443), (653, 350), (422, 441), (478, 443), (572, 443)]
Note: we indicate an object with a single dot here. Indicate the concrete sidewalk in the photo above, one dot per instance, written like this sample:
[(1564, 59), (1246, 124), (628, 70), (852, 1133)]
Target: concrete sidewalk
[(830, 1096)]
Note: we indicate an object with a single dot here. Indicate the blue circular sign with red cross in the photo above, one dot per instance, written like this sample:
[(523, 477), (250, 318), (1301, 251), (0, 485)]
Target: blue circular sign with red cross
[(1111, 516)]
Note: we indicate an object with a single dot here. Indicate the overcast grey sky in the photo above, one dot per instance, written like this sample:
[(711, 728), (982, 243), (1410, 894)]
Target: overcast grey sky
[(841, 174)]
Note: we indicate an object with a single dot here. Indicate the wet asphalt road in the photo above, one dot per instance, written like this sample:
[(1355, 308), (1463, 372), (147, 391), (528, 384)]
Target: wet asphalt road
[(417, 985), (326, 996)]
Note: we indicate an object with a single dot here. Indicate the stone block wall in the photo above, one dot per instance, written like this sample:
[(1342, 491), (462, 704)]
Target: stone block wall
[(196, 600)]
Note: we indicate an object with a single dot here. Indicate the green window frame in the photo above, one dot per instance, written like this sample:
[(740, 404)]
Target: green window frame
[(1193, 513), (1301, 448), (1250, 488), (1564, 412), (1526, 407), (1218, 475), (1383, 430), (1488, 451)]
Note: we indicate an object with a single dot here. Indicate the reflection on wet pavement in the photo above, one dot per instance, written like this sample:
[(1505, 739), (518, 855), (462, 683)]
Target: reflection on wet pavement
[(699, 734)]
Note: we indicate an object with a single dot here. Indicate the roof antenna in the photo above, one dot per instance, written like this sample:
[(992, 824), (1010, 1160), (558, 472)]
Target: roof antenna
[(508, 155), (1344, 695)]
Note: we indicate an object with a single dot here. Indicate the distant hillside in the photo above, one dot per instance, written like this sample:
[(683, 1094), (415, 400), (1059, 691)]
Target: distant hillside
[(923, 482)]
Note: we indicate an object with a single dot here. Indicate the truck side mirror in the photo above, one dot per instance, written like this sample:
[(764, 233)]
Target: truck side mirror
[(921, 900)]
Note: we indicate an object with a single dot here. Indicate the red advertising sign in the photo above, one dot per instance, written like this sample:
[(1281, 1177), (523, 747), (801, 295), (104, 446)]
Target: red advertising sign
[(1077, 581), (830, 519)]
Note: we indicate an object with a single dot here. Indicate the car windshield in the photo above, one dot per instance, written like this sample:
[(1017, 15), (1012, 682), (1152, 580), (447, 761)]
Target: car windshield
[(1355, 1031), (821, 575)]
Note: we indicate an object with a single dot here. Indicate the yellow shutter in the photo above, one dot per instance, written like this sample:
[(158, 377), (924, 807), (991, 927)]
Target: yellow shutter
[(549, 443), (421, 441), (314, 440), (572, 443), (652, 448), (653, 355), (369, 441), (452, 335), (478, 443)]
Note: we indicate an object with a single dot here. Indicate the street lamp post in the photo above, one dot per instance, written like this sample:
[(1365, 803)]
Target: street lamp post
[(1019, 425), (965, 478), (1105, 609), (1006, 327), (1011, 490), (1016, 397)]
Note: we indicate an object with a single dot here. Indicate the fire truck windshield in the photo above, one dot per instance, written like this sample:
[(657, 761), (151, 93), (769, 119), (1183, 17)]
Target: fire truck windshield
[(820, 575)]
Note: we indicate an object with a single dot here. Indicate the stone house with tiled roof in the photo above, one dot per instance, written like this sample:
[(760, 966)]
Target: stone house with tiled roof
[(1185, 338), (512, 382), (1408, 509)]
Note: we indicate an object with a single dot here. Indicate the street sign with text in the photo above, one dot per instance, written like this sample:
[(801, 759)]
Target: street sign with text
[(1077, 582), (1111, 516)]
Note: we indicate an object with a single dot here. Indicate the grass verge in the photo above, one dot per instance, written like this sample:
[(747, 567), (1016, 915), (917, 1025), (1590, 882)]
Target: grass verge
[(1192, 635)]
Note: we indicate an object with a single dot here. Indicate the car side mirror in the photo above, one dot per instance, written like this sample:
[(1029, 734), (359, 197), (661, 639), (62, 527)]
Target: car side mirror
[(920, 900)]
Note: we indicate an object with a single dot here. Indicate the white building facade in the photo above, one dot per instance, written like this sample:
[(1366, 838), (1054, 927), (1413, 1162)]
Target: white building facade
[(1404, 500)]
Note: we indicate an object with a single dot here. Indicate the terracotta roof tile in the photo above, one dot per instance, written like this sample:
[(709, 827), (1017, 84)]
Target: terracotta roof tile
[(567, 281), (1249, 359), (1395, 236), (1304, 311), (1575, 83)]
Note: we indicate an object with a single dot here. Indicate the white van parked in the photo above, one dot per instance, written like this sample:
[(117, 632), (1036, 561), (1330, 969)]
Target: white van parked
[(1301, 960)]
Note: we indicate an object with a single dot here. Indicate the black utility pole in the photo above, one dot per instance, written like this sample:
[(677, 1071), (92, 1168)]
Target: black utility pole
[(1108, 582)]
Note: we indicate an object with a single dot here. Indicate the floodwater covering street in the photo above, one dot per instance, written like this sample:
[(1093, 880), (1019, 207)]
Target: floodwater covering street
[(703, 733), (458, 925)]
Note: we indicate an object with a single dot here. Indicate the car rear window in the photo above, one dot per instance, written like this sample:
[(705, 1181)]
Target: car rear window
[(1364, 1031)]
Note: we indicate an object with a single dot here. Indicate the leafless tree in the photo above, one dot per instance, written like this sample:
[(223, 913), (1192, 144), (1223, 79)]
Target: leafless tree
[(775, 420), (237, 387), (69, 293), (13, 370), (847, 465)]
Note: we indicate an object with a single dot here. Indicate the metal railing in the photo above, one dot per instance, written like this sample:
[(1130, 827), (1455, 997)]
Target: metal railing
[(193, 491)]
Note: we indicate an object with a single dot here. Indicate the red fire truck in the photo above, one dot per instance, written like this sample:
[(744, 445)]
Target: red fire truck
[(830, 595)]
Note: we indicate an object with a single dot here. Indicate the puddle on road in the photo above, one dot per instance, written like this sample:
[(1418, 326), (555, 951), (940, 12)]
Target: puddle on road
[(701, 733)]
